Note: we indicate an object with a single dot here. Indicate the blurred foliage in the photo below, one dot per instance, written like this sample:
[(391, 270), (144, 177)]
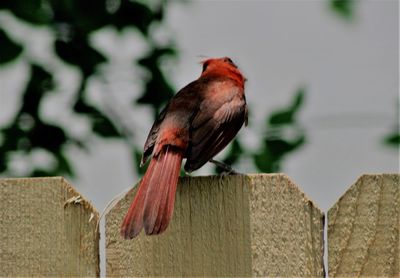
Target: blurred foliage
[(343, 8), (157, 82), (10, 50), (392, 139), (137, 155), (72, 22), (236, 151), (283, 135)]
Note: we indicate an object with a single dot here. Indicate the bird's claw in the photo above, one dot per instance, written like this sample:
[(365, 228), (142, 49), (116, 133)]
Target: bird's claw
[(227, 169)]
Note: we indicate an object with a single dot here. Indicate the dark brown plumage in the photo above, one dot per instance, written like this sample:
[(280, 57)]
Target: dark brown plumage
[(197, 123)]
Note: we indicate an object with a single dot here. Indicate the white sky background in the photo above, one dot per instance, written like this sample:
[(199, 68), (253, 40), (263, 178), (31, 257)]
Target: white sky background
[(349, 69)]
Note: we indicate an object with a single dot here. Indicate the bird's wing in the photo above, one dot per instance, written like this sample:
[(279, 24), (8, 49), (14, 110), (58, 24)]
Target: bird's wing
[(181, 101), (214, 126), (152, 137)]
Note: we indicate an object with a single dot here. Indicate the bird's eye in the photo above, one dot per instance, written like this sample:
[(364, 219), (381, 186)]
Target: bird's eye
[(205, 65), (229, 60)]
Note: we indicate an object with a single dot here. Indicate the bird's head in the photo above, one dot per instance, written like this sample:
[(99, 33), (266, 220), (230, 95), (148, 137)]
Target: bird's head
[(222, 66)]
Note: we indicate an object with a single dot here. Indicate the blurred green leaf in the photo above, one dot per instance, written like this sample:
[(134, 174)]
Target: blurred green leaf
[(101, 124), (157, 89), (393, 139), (10, 50), (233, 156), (287, 115), (137, 157), (3, 164), (82, 107), (104, 127), (3, 160), (39, 83), (265, 162), (276, 143), (63, 165), (82, 16), (344, 8), (32, 11), (48, 137), (78, 52), (43, 173), (12, 135), (271, 156), (279, 147), (132, 13)]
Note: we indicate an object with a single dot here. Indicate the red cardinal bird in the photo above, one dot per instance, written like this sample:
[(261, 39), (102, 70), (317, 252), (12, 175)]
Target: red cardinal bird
[(197, 123)]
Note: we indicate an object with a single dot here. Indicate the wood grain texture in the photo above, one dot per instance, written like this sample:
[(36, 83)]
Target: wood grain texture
[(41, 234), (363, 229), (256, 225)]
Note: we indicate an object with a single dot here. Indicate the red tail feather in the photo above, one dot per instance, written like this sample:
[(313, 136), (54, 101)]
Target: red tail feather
[(153, 204)]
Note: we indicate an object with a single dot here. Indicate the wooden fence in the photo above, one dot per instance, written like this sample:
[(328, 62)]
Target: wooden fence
[(245, 225)]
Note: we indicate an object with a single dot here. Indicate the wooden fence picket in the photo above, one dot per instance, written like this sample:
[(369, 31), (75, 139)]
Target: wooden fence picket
[(363, 229), (242, 225), (46, 229)]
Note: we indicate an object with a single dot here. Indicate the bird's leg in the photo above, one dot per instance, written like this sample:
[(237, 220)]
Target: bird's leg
[(227, 168)]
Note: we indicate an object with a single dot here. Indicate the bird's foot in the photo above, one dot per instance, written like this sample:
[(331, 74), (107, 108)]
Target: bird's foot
[(227, 169)]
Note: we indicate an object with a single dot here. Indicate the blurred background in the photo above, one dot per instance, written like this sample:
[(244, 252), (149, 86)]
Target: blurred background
[(82, 81)]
